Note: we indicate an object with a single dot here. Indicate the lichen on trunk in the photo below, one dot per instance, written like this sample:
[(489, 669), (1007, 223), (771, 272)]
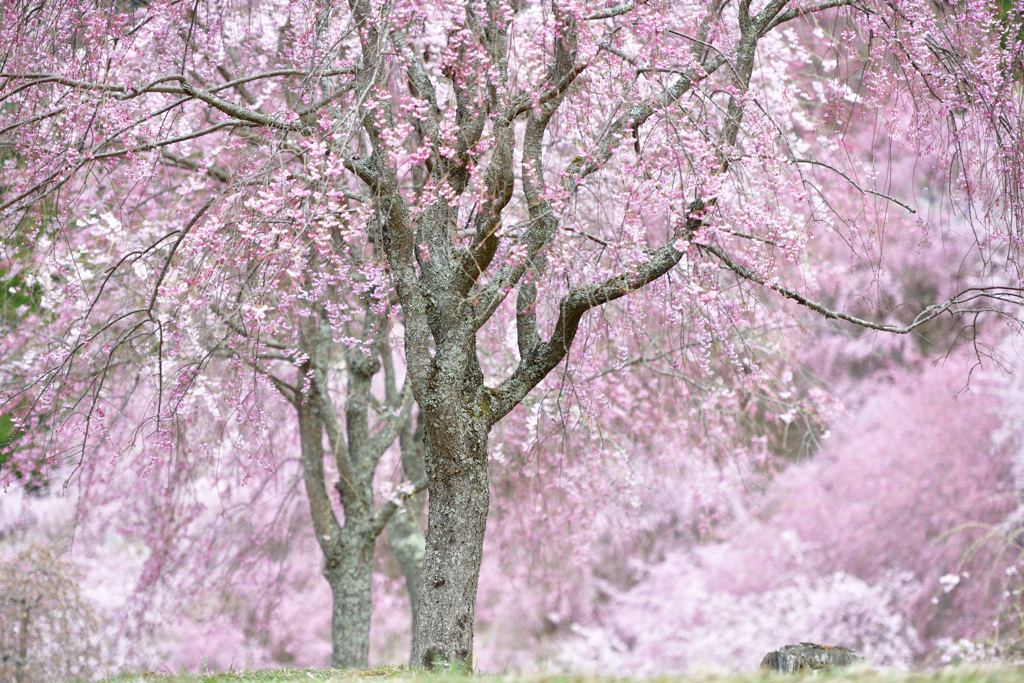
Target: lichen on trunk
[(348, 572), (459, 498)]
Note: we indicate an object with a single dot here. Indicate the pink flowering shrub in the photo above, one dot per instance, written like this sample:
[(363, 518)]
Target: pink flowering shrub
[(871, 544), (675, 622)]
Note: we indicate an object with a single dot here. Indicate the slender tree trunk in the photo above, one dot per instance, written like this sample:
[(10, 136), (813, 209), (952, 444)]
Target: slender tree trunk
[(348, 572), (347, 550), (405, 535), (456, 463), (348, 547)]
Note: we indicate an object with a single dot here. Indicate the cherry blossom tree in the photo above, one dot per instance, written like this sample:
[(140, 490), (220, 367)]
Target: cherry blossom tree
[(216, 370), (221, 426), (277, 192)]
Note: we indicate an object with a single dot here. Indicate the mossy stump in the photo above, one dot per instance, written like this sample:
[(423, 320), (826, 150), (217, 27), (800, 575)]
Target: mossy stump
[(809, 657)]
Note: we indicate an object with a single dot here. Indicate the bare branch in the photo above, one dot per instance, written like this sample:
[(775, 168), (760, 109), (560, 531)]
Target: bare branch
[(1005, 294), (34, 119), (170, 141), (852, 182), (797, 12), (240, 112), (389, 431), (129, 91), (382, 518), (613, 11), (125, 91), (181, 162)]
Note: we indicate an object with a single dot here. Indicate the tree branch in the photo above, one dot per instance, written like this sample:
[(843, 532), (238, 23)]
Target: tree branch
[(796, 12), (613, 11), (170, 141), (852, 182), (1005, 294), (389, 431), (325, 523), (538, 358), (419, 77), (382, 518), (240, 112), (181, 162)]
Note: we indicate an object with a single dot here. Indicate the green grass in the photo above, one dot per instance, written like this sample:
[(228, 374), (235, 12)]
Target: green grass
[(277, 676), (401, 674)]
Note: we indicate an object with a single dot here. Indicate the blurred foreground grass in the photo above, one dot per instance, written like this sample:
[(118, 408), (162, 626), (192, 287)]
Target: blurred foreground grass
[(401, 674)]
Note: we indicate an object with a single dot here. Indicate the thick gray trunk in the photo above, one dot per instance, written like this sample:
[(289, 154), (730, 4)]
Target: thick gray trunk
[(348, 573), (456, 462)]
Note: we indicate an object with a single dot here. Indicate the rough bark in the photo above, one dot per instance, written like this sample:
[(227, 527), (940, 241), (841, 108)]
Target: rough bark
[(347, 548), (405, 535), (457, 472), (348, 572), (809, 657)]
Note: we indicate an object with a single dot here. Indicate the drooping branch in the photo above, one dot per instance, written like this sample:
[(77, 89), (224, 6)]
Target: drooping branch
[(174, 248), (1010, 295), (854, 183)]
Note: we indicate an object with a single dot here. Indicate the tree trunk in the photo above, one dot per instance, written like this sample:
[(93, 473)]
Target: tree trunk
[(405, 535), (348, 572), (457, 471)]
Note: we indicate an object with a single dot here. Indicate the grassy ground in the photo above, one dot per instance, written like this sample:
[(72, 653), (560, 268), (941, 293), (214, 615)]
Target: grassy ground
[(960, 674)]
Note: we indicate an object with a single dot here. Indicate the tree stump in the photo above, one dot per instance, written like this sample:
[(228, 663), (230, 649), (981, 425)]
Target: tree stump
[(809, 657)]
